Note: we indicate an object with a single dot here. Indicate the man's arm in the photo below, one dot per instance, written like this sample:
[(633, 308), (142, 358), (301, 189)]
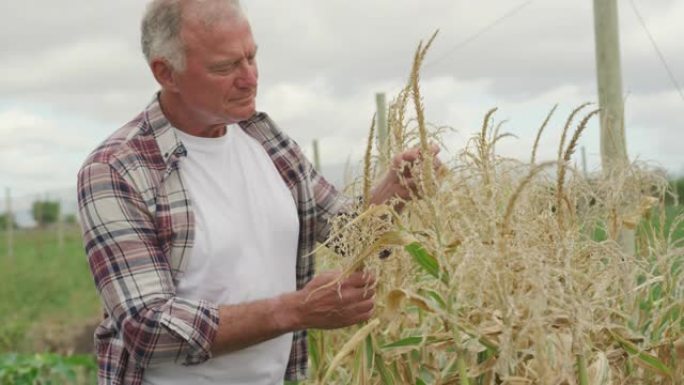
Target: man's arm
[(134, 281), (321, 304), (133, 276)]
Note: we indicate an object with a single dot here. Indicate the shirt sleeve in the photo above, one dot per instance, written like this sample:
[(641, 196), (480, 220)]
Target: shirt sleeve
[(329, 203), (133, 276)]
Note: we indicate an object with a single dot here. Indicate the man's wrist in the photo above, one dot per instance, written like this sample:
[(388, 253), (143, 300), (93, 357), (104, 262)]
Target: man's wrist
[(286, 312)]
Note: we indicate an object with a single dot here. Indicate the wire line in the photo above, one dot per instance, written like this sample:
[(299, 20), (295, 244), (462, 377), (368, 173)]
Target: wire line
[(479, 33), (655, 46)]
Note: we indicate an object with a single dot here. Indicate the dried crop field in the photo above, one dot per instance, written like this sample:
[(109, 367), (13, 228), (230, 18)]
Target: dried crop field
[(509, 272)]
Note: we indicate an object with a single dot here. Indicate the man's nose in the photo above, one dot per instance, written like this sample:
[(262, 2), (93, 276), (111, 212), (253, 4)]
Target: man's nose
[(248, 76)]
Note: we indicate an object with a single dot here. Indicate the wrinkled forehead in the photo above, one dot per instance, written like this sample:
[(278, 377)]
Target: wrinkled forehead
[(207, 13), (225, 33)]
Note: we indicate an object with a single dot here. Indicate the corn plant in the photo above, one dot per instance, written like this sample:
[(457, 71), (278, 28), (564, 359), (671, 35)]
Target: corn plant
[(500, 271)]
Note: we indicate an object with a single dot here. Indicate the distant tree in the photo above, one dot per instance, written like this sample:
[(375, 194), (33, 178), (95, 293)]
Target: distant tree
[(70, 219), (45, 212), (3, 221)]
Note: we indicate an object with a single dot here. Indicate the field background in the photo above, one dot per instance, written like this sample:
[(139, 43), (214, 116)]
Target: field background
[(49, 306)]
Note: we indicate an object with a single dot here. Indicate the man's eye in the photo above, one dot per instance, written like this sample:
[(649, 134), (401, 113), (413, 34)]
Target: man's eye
[(224, 69)]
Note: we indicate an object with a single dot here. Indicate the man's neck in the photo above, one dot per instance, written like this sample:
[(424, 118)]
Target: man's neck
[(182, 119)]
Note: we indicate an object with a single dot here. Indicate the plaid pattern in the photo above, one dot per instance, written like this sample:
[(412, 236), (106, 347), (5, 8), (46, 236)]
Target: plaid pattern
[(137, 223)]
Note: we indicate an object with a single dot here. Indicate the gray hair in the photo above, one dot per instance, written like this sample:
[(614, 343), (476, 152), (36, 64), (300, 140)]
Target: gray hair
[(161, 26)]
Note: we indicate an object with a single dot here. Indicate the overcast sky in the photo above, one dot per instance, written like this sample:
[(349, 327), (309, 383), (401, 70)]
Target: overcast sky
[(71, 72)]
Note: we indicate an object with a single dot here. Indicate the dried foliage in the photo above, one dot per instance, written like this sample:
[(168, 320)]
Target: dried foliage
[(505, 272)]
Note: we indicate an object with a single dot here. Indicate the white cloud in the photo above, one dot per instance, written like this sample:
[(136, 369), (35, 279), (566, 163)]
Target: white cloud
[(20, 128), (40, 152), (72, 73), (83, 65)]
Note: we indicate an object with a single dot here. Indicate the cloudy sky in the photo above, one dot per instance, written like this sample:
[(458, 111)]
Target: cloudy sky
[(71, 73)]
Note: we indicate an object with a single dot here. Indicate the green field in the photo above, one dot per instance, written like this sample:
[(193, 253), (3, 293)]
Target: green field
[(48, 306), (47, 292)]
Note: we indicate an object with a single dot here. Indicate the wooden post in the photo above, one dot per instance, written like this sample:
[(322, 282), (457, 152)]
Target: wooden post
[(316, 155), (60, 228), (613, 146), (584, 162), (381, 128), (39, 228), (609, 75), (9, 223)]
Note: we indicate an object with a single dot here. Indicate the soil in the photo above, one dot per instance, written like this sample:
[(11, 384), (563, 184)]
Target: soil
[(56, 336)]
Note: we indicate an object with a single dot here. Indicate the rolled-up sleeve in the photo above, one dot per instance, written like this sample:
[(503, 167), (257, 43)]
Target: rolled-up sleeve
[(133, 276), (329, 203)]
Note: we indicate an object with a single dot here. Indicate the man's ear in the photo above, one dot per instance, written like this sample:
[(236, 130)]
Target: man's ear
[(164, 74)]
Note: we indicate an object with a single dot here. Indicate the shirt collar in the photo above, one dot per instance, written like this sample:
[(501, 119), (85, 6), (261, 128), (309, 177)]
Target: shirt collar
[(161, 128)]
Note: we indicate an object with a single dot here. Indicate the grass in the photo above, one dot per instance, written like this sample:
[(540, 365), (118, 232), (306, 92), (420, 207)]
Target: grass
[(47, 292), (671, 212), (47, 369), (653, 224)]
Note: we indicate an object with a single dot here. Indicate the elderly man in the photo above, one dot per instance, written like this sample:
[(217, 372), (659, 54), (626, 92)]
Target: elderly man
[(200, 215)]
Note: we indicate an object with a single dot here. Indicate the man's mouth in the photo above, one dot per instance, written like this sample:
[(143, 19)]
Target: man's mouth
[(243, 98)]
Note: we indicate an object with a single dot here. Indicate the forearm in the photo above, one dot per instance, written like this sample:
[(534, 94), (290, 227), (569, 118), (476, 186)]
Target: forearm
[(329, 301), (247, 324)]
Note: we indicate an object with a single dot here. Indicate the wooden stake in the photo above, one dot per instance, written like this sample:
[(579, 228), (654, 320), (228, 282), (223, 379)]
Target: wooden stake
[(609, 75), (613, 145), (9, 223), (317, 158), (381, 126), (60, 228)]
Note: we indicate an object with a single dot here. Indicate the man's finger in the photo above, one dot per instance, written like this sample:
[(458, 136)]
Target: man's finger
[(360, 279), (365, 306), (437, 163), (414, 153), (410, 155)]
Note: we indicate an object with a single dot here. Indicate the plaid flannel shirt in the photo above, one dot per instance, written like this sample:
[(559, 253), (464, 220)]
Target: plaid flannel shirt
[(137, 223)]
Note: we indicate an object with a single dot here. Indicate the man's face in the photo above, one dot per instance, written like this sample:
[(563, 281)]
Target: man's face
[(219, 83)]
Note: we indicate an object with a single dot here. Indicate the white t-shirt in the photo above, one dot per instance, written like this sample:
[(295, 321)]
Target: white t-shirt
[(246, 234)]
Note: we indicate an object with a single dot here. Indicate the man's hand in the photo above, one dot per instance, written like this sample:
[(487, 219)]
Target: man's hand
[(323, 303), (326, 304), (398, 181)]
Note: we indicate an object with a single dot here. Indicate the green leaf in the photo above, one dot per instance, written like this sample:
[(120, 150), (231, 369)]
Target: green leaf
[(85, 361), (370, 352), (408, 341), (582, 369), (426, 261), (385, 374), (419, 381), (647, 359), (438, 298), (412, 341), (313, 349)]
